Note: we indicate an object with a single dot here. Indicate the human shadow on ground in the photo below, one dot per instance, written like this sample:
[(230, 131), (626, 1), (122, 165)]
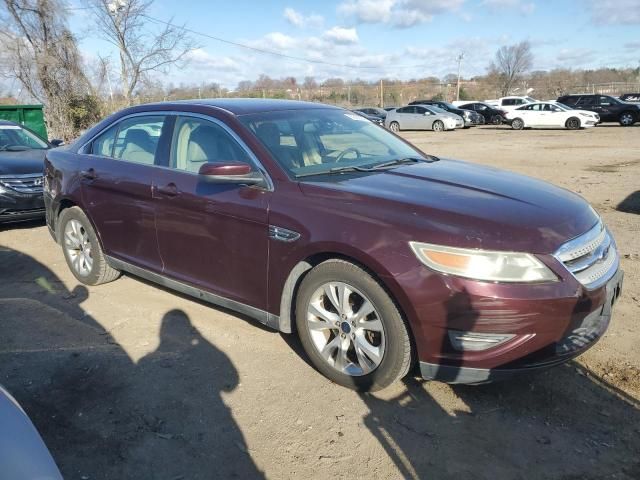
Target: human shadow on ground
[(631, 204), (102, 415), (565, 423)]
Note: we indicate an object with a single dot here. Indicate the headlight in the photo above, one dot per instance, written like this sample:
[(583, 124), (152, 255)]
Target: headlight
[(483, 264)]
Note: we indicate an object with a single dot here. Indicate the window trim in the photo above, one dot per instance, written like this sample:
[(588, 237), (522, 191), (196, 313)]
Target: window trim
[(175, 113)]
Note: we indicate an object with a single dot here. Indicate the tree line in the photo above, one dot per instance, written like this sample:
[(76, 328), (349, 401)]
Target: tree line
[(38, 50)]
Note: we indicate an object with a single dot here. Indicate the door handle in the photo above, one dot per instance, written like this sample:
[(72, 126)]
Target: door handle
[(89, 174), (169, 190)]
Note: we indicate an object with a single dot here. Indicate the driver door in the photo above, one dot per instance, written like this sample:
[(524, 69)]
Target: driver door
[(213, 236)]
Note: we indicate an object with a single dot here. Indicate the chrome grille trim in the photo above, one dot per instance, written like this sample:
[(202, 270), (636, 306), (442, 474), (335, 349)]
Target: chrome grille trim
[(592, 258), (29, 183)]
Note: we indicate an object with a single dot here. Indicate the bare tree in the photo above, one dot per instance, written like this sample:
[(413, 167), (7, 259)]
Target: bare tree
[(43, 55), (143, 48), (510, 64)]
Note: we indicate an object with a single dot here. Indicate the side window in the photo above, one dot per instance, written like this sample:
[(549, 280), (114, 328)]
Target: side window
[(103, 144), (404, 110), (606, 101), (137, 139), (197, 141), (479, 107), (586, 101), (508, 102), (421, 110)]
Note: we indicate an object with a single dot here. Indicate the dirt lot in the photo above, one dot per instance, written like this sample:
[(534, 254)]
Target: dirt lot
[(128, 380)]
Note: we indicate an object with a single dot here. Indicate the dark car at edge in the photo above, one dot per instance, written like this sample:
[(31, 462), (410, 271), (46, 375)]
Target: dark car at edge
[(21, 173), (316, 222), (610, 109)]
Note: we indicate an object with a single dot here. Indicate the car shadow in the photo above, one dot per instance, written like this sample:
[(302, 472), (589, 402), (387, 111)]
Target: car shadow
[(631, 204), (102, 415)]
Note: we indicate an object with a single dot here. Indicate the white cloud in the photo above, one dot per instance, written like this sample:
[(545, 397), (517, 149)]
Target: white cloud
[(274, 41), (341, 35), (615, 12), (399, 13), (524, 7), (299, 20)]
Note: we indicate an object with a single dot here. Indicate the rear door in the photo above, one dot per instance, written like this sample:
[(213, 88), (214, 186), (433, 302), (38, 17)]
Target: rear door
[(116, 187), (210, 235)]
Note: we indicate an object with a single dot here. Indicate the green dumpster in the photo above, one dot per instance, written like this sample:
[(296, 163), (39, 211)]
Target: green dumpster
[(31, 116)]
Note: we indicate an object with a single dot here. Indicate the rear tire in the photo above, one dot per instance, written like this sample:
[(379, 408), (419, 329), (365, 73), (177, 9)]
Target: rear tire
[(573, 123), (517, 124), (496, 120), (394, 127), (627, 119), (376, 345), (437, 126), (82, 250)]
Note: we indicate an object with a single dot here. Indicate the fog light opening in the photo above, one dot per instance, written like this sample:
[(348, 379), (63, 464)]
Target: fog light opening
[(475, 341)]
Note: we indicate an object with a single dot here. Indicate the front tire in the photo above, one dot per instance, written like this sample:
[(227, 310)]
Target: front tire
[(573, 123), (82, 250), (350, 328), (496, 120), (517, 124), (627, 119), (437, 126), (394, 127)]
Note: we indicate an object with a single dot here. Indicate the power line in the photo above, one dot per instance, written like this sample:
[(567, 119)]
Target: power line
[(272, 52)]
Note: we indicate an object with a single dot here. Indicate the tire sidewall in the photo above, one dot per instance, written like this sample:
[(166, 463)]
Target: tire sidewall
[(440, 128), (395, 329), (569, 125), (394, 127), (75, 213), (516, 122)]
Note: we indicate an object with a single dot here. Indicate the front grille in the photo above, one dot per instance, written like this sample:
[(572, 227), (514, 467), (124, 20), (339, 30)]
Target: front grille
[(30, 183), (592, 258)]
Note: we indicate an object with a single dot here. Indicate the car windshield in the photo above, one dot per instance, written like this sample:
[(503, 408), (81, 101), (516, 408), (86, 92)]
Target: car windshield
[(449, 105), (530, 100), (318, 141), (14, 137), (435, 109), (563, 106)]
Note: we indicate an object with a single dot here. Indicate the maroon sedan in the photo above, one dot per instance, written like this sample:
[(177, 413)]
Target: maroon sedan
[(313, 220)]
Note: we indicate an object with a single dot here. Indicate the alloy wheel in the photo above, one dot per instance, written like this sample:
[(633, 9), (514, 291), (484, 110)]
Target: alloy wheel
[(626, 119), (438, 126), (346, 329), (78, 247), (395, 127)]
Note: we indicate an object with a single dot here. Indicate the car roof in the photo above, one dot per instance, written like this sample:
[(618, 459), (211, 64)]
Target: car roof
[(245, 106), (7, 122)]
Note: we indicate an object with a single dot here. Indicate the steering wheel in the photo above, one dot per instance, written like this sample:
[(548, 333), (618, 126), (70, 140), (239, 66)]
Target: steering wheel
[(347, 151)]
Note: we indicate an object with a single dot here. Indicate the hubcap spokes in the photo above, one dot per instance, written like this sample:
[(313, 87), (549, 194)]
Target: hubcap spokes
[(346, 329), (78, 247)]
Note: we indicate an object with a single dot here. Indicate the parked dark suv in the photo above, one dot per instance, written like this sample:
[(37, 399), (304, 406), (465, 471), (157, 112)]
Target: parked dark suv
[(313, 220), (609, 108)]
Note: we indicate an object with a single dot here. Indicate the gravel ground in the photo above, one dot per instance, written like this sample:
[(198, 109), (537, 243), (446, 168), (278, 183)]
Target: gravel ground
[(128, 380)]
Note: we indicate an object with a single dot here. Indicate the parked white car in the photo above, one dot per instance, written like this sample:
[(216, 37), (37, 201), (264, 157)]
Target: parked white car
[(510, 103), (551, 115), (422, 117)]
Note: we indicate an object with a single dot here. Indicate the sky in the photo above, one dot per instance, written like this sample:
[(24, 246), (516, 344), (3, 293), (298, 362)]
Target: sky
[(396, 39)]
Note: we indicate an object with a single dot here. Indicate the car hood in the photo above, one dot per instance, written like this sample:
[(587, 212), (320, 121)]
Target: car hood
[(463, 204), (24, 162)]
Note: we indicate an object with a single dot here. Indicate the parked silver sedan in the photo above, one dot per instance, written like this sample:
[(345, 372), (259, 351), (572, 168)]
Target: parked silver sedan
[(422, 117)]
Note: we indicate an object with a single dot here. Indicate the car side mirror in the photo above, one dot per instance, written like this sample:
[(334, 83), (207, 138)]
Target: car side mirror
[(426, 114), (56, 142), (230, 172)]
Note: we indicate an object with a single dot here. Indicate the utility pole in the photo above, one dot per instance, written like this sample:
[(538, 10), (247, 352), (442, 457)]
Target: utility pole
[(381, 94), (460, 57)]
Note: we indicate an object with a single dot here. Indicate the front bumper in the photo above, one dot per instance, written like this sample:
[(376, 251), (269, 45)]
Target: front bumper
[(15, 206), (574, 343), (544, 324)]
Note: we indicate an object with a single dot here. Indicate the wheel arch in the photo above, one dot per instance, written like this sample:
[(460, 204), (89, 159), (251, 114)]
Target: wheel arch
[(372, 267), (65, 204)]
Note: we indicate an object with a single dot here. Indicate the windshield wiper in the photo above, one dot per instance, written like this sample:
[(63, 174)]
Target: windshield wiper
[(372, 168)]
